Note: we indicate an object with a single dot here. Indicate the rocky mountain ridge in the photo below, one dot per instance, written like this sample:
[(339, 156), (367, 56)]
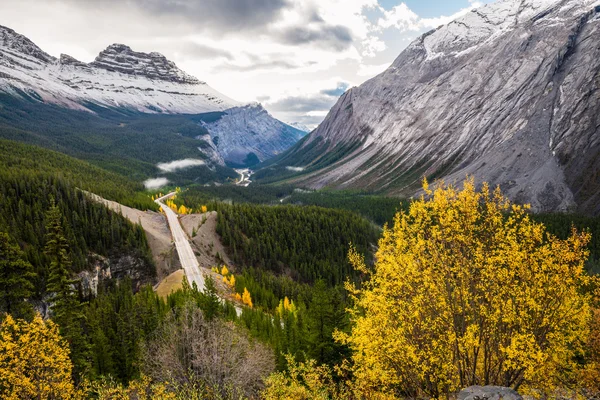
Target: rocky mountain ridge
[(509, 94), (119, 77), (249, 122), (147, 83)]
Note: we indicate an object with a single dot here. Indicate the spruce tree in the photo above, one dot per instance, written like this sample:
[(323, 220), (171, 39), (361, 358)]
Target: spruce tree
[(16, 275), (66, 307), (211, 305)]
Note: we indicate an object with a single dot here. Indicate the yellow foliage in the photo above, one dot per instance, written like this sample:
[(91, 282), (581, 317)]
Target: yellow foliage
[(203, 209), (238, 297), (286, 305), (304, 381), (246, 298), (231, 281), (224, 270), (468, 290), (34, 361), (141, 389)]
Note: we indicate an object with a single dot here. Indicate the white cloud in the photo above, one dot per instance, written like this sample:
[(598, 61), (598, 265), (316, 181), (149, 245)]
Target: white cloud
[(319, 113), (432, 23), (155, 183), (400, 17), (179, 164), (370, 71)]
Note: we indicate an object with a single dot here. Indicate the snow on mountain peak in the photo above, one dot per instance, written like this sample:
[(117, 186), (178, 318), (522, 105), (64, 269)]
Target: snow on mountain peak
[(484, 24), (12, 41), (121, 58), (118, 77)]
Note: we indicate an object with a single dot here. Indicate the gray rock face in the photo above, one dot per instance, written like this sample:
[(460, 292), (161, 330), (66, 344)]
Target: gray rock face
[(488, 393), (17, 43), (120, 58), (66, 59), (508, 93), (251, 129)]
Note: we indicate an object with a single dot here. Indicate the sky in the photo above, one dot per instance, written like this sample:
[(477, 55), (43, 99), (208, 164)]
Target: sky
[(296, 57)]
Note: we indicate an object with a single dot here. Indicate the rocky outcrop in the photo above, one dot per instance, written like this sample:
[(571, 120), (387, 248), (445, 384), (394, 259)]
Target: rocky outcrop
[(120, 58), (251, 129), (66, 59), (118, 78), (19, 44), (508, 93), (488, 393)]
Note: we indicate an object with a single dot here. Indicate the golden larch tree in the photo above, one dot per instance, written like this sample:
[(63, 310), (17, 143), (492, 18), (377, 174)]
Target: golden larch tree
[(246, 298)]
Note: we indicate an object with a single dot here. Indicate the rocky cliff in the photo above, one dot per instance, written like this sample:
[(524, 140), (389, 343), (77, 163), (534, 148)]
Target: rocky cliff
[(508, 93)]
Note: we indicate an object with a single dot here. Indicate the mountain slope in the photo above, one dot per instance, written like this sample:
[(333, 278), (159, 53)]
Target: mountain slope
[(132, 83), (119, 77), (508, 93), (235, 134)]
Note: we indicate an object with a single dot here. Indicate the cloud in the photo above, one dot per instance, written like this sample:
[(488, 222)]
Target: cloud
[(337, 37), (400, 17), (179, 164), (222, 15), (308, 108), (155, 183), (193, 50), (370, 71), (338, 91), (284, 53), (261, 65)]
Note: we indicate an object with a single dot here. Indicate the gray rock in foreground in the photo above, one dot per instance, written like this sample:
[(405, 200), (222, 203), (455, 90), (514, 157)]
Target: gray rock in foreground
[(488, 393)]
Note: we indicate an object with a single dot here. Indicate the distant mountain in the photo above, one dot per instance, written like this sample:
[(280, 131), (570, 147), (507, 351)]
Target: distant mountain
[(509, 93), (128, 81), (300, 127), (235, 134)]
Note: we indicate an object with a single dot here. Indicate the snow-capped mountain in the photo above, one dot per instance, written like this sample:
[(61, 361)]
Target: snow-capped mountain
[(509, 93), (120, 78), (300, 127)]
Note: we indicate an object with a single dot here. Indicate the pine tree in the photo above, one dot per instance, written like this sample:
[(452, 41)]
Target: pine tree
[(325, 315), (66, 307), (210, 304), (16, 275)]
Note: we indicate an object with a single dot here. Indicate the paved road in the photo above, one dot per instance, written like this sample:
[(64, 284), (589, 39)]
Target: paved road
[(182, 244)]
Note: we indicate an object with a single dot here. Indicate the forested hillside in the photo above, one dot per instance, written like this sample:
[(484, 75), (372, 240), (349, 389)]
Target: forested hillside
[(22, 160), (304, 243), (122, 141), (89, 227)]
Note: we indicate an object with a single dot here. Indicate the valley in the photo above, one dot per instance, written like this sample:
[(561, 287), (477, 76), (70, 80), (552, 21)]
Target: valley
[(432, 232)]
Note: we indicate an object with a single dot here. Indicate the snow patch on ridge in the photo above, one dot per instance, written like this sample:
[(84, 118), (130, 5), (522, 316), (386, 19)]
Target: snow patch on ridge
[(482, 25)]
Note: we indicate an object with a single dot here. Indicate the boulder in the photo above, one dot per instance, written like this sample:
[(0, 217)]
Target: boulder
[(488, 393)]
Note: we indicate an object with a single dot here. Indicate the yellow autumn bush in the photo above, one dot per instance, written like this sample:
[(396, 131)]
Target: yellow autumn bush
[(34, 361), (467, 290)]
